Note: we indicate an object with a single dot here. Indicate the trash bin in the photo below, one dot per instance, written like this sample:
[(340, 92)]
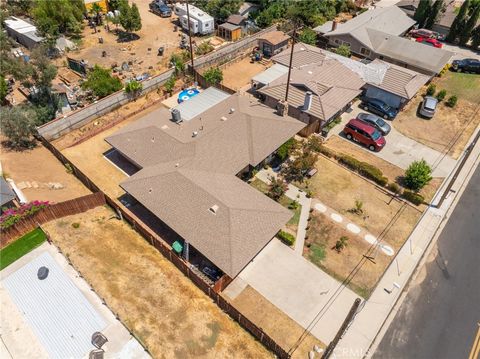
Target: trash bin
[(160, 51)]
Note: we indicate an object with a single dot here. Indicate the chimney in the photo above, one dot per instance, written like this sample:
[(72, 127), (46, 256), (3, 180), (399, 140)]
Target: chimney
[(307, 103), (334, 25), (282, 108)]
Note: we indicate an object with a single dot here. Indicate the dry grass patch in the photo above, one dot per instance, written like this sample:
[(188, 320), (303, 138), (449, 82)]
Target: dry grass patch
[(155, 300), (238, 74), (338, 188), (392, 172), (450, 127), (284, 330), (320, 250)]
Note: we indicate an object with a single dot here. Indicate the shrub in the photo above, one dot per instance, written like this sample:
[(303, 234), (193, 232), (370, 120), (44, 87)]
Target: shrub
[(170, 84), (277, 188), (343, 50), (287, 238), (204, 48), (431, 89), (294, 205), (284, 150), (444, 70), (341, 243), (364, 168), (333, 123), (417, 175), (14, 215), (213, 76), (133, 87), (395, 188), (452, 101), (101, 82), (441, 95), (75, 225), (415, 198)]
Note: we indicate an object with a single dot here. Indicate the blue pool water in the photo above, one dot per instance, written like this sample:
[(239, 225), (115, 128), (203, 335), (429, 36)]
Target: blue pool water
[(185, 95)]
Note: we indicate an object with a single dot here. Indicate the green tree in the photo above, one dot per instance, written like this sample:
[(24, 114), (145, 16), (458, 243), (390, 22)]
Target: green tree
[(434, 13), (308, 36), (170, 84), (458, 23), (101, 82), (178, 63), (213, 76), (221, 9), (96, 11), (304, 161), (18, 125), (129, 17), (286, 149), (3, 89), (476, 38), (133, 87), (343, 50), (422, 12), (58, 17), (417, 175), (469, 26), (277, 188)]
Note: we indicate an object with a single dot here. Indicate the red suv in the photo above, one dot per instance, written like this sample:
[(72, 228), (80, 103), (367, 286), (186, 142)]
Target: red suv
[(365, 134)]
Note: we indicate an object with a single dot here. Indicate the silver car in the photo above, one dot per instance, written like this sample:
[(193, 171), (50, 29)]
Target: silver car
[(375, 121), (428, 107)]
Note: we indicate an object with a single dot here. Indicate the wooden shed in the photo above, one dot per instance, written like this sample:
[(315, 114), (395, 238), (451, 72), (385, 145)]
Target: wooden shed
[(229, 32)]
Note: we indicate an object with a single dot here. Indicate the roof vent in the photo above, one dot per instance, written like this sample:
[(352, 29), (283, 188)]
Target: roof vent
[(150, 190), (310, 72), (176, 116), (213, 209), (153, 138), (177, 164), (232, 110), (223, 118), (194, 133)]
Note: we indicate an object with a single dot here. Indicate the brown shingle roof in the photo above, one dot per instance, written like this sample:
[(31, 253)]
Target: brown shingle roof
[(235, 19), (183, 176), (303, 54), (333, 84), (275, 37)]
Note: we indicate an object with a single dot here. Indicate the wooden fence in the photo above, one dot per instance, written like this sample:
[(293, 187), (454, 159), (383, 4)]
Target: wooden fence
[(53, 211), (155, 240)]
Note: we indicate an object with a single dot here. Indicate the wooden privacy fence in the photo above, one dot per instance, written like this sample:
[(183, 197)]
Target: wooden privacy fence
[(53, 211), (156, 241)]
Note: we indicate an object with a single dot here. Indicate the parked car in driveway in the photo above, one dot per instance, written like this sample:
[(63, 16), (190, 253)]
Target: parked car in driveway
[(428, 106), (365, 134), (430, 42), (466, 65), (159, 8), (375, 121), (379, 107)]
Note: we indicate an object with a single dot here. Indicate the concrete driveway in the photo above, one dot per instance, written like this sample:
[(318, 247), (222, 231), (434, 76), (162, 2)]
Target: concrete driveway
[(299, 288), (401, 150)]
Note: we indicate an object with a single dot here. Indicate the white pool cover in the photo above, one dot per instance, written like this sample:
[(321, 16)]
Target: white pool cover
[(58, 313)]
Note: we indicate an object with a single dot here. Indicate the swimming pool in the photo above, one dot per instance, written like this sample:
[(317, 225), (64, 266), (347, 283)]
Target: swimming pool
[(185, 95)]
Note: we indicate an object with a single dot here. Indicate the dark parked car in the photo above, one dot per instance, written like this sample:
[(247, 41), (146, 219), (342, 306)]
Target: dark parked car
[(379, 107), (375, 121), (428, 106), (466, 65), (160, 9), (367, 135)]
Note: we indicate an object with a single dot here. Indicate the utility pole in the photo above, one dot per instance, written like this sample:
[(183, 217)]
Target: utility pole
[(190, 40), (291, 59)]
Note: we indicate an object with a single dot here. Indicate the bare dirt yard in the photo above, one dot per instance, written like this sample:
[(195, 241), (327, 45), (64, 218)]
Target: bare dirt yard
[(392, 172), (141, 51), (323, 233), (238, 74), (171, 316), (450, 128), (35, 172), (284, 330), (387, 219)]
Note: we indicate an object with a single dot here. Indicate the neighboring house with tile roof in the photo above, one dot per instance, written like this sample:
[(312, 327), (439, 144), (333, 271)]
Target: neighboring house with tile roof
[(377, 33), (7, 195), (187, 176), (318, 92), (273, 42)]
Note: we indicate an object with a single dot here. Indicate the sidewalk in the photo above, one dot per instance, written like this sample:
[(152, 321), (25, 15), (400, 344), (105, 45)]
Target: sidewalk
[(370, 319)]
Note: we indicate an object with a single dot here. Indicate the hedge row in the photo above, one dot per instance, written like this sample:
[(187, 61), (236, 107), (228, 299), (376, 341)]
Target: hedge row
[(415, 198), (365, 169), (286, 238)]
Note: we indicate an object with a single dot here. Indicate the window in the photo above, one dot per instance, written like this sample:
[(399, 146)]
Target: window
[(365, 51)]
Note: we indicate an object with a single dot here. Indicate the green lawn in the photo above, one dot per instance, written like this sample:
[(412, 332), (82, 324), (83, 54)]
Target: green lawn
[(465, 86), (21, 246)]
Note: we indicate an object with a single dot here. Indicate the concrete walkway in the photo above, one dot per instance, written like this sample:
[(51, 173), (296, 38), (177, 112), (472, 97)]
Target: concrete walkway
[(369, 321)]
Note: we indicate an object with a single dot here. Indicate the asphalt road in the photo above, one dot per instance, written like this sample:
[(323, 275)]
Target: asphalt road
[(440, 315)]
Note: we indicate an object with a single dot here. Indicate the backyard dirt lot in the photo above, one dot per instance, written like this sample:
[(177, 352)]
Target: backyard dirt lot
[(284, 330), (450, 128), (171, 316), (238, 74), (38, 169), (392, 172), (323, 233), (155, 32), (338, 188)]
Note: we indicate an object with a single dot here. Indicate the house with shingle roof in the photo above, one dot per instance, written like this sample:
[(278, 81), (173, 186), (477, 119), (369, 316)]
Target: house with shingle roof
[(377, 34), (188, 176)]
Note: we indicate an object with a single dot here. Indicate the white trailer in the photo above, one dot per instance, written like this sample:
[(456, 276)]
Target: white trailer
[(200, 21)]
